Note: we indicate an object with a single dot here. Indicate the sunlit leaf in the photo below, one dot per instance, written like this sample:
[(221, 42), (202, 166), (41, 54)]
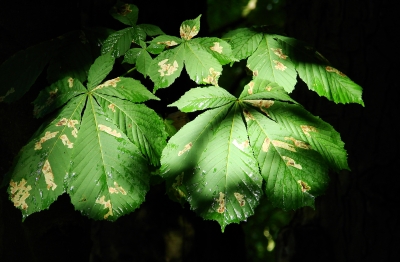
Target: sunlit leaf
[(143, 62), (119, 42), (190, 28), (244, 42), (99, 70), (218, 48)]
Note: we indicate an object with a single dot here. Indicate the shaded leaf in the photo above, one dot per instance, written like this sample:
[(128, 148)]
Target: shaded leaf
[(119, 42), (125, 13), (131, 55), (151, 30), (143, 62), (243, 41)]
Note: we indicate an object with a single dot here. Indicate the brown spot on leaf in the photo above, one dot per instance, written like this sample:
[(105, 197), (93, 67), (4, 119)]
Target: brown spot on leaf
[(240, 199), (283, 145), (112, 107), (299, 143), (186, 148), (250, 89), (117, 189), (167, 43), (124, 9), (242, 145), (188, 32), (306, 129), (48, 135), (279, 65), (334, 70), (247, 115), (106, 204), (216, 48), (265, 145), (304, 186), (112, 82), (291, 162), (212, 78), (255, 73), (279, 53), (221, 202), (167, 69), (70, 82), (69, 123), (19, 193), (48, 176), (66, 142), (109, 131)]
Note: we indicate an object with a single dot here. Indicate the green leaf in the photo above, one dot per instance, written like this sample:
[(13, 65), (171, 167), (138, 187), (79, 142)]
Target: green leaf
[(143, 63), (270, 63), (108, 177), (19, 72), (201, 66), (151, 30), (119, 42), (294, 173), (131, 55), (57, 95), (244, 42), (167, 67), (190, 28), (320, 135), (125, 88), (219, 171), (263, 89), (99, 70), (142, 125), (138, 34), (169, 127), (155, 49), (203, 98), (39, 171), (218, 48), (319, 75), (125, 13)]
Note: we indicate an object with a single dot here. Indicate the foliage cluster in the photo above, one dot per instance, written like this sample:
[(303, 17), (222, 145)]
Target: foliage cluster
[(102, 144)]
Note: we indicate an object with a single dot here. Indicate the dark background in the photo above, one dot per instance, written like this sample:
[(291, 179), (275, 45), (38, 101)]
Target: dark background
[(355, 221)]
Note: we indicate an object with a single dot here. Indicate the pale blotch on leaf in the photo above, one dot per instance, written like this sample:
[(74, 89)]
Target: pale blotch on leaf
[(53, 93), (112, 107), (283, 145), (255, 73), (291, 162), (167, 69), (268, 88), (265, 145), (216, 48), (213, 77), (261, 103), (306, 129), (70, 82), (188, 32), (221, 202), (304, 186), (48, 135), (240, 199), (242, 145), (278, 52), (48, 176), (66, 142), (112, 82), (12, 90), (299, 143), (117, 189), (185, 149), (167, 43), (247, 115), (109, 131), (334, 70), (250, 89), (279, 65), (106, 204), (19, 193), (70, 123)]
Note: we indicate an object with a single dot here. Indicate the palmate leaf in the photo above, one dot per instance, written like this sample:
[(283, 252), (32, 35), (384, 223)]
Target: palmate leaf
[(125, 13), (109, 176), (119, 42), (203, 57), (278, 59), (218, 155), (38, 175), (91, 158)]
